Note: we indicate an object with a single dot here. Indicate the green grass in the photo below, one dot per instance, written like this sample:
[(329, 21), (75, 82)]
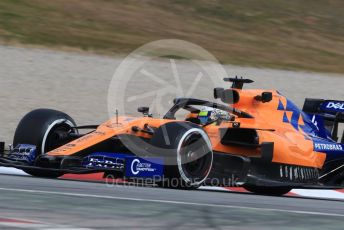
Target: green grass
[(307, 34)]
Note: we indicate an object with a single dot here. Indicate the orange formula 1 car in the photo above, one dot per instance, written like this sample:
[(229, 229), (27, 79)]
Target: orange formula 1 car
[(257, 139)]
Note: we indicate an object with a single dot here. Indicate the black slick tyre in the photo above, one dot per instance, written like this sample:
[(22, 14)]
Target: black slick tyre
[(47, 129), (187, 153)]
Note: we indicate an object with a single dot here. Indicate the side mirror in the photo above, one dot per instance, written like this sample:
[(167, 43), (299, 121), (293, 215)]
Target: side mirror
[(144, 110), (218, 92), (265, 97), (230, 96)]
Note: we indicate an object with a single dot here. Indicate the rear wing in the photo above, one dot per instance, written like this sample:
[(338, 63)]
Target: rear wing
[(330, 111), (2, 148)]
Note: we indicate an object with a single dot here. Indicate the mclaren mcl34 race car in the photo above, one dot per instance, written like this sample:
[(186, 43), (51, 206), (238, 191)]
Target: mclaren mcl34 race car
[(257, 139)]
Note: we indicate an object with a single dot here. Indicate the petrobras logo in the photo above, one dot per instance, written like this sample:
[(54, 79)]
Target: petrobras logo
[(334, 105), (327, 147), (143, 167)]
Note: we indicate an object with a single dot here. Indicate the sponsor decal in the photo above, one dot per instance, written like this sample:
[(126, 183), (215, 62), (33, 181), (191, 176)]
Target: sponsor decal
[(99, 133), (143, 167), (104, 160), (65, 148), (132, 166), (321, 147), (114, 125), (23, 152), (333, 106), (84, 138)]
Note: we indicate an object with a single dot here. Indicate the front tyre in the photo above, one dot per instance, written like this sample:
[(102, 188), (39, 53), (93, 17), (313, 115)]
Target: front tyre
[(47, 129), (188, 154)]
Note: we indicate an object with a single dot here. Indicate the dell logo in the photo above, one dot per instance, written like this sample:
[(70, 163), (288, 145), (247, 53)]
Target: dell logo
[(335, 105)]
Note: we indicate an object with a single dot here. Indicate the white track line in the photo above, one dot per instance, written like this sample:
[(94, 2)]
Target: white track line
[(314, 193), (171, 202), (12, 171), (38, 226), (213, 188), (318, 193)]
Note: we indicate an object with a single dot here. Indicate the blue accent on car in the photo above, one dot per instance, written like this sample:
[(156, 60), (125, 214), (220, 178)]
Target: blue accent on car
[(144, 167), (318, 122), (308, 126), (333, 150), (314, 127), (280, 106), (132, 166), (104, 160), (285, 118), (333, 106), (24, 153), (291, 107)]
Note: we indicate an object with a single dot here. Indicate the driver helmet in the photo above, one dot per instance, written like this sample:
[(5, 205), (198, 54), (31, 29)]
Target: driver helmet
[(208, 115)]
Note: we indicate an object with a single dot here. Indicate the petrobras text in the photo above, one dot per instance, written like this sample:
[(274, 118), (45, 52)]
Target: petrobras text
[(327, 147)]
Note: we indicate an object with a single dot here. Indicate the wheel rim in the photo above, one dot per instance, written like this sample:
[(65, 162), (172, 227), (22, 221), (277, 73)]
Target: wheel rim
[(194, 157), (192, 164), (53, 137)]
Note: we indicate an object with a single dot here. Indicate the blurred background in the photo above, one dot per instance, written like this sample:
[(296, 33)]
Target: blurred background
[(306, 35)]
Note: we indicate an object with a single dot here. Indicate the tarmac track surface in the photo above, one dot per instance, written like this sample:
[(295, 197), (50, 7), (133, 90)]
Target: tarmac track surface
[(64, 204)]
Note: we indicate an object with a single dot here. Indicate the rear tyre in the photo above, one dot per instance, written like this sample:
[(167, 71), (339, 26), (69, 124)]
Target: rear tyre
[(47, 129), (187, 153), (268, 191)]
